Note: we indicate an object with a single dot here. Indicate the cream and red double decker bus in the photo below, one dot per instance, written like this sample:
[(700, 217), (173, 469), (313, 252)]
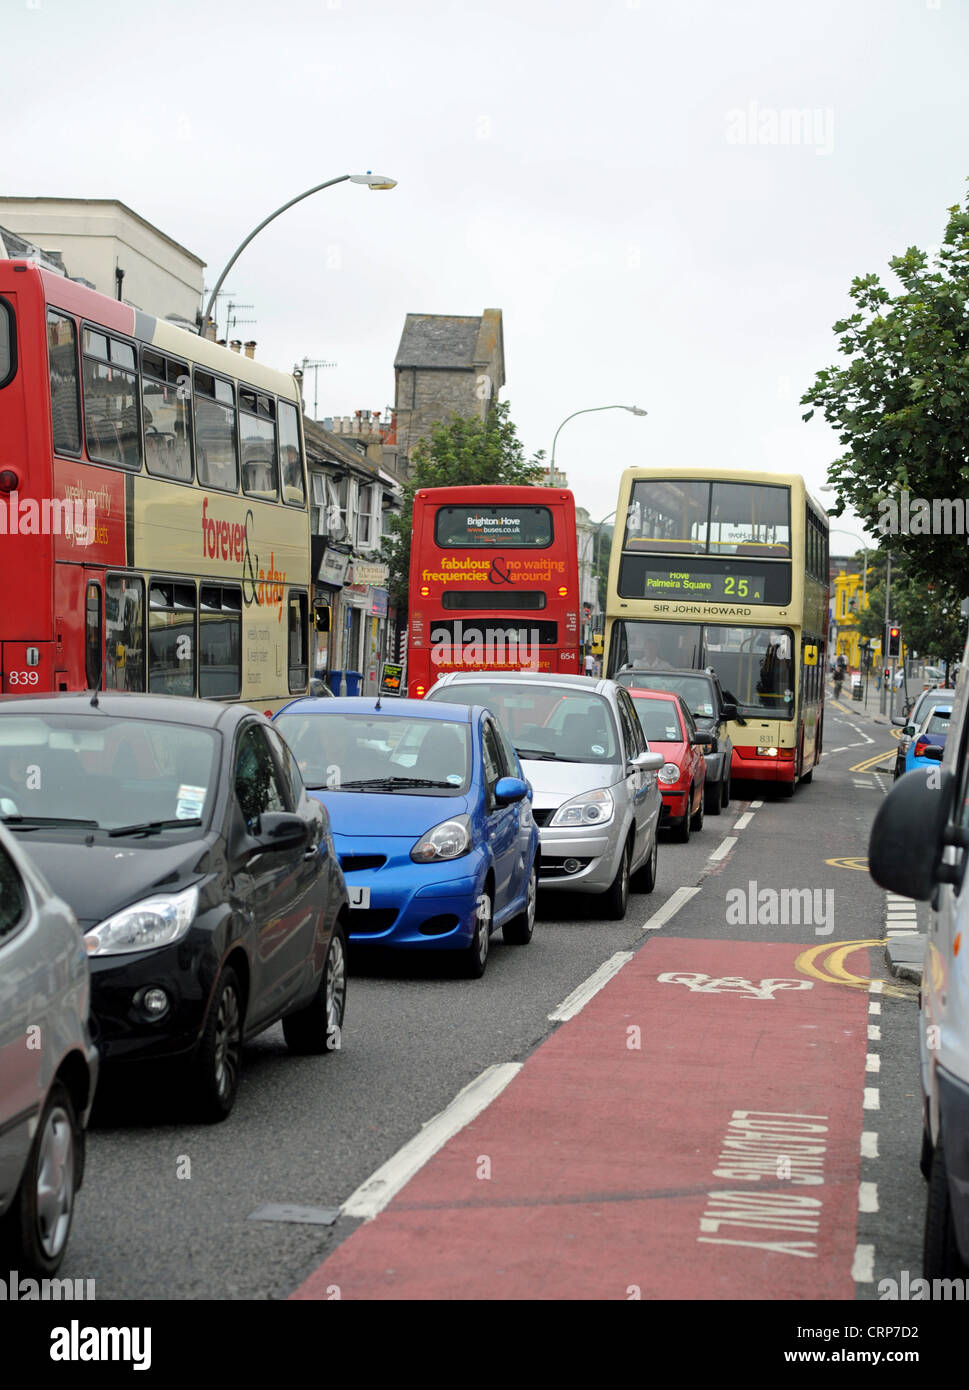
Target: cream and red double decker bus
[(730, 571), (153, 525)]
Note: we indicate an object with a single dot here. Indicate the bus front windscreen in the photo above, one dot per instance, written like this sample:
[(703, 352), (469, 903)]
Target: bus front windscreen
[(698, 517), (755, 664)]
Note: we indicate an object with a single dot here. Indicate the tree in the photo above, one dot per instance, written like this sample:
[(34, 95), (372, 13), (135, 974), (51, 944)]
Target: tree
[(901, 404), (462, 451)]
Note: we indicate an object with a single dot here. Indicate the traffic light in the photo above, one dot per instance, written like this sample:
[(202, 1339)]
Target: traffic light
[(894, 642), (888, 674)]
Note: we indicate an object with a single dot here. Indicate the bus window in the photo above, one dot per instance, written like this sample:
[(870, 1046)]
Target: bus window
[(92, 636), (290, 455), (257, 429), (112, 423), (298, 642), (164, 399), (171, 638), (124, 632), (215, 433), (64, 394), (7, 341), (220, 641)]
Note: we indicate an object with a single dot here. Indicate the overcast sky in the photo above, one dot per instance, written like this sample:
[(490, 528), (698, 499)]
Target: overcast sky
[(619, 177)]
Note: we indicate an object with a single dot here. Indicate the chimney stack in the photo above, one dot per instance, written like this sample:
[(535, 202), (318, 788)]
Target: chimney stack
[(251, 348), (236, 345)]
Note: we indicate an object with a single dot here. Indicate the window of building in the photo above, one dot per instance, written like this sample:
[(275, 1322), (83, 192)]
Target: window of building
[(217, 454), (369, 517), (112, 421), (165, 398)]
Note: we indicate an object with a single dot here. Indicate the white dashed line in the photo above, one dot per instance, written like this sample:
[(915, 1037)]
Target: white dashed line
[(670, 908), (743, 821), (581, 995), (373, 1195), (872, 1100), (869, 1144), (724, 848), (874, 1033), (873, 1062), (756, 805), (863, 1267), (874, 1007), (868, 1196)]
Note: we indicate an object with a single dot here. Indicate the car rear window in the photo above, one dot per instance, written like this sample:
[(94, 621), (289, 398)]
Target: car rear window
[(938, 724), (379, 753), (659, 719), (545, 721)]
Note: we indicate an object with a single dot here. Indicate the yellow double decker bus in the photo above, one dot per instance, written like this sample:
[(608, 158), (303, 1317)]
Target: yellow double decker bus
[(729, 571)]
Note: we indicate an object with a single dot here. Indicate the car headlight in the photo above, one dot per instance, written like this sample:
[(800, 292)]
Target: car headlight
[(669, 773), (591, 808), (144, 926), (449, 840)]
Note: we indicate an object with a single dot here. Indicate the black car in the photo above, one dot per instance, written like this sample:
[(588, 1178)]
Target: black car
[(202, 875), (710, 706)]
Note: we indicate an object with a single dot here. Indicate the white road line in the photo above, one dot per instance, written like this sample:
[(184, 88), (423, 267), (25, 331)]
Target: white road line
[(873, 1062), (863, 1266), (868, 1196), (875, 987), (869, 1144), (581, 995), (670, 908), (874, 1007), (874, 1033), (373, 1195), (756, 805), (743, 821), (872, 1100), (724, 848)]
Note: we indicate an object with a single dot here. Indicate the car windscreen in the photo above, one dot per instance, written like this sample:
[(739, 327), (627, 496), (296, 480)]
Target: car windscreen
[(379, 753), (544, 722), (659, 720), (938, 722), (697, 691), (94, 769)]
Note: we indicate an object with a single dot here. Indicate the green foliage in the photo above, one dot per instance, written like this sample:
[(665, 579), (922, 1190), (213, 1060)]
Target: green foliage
[(462, 451), (901, 403)]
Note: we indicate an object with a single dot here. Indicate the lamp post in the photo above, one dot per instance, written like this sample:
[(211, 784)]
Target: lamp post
[(374, 181), (589, 410)]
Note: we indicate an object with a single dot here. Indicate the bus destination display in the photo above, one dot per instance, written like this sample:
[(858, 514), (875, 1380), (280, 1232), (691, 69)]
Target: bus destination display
[(715, 588)]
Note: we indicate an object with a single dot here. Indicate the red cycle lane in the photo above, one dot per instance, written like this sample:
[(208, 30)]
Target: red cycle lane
[(696, 1136)]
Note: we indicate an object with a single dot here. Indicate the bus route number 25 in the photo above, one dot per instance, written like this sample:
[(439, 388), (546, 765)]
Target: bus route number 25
[(735, 588)]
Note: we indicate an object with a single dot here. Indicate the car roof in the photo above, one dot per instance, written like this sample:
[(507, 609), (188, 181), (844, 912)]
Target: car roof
[(130, 704), (392, 706), (640, 692), (546, 678), (672, 671)]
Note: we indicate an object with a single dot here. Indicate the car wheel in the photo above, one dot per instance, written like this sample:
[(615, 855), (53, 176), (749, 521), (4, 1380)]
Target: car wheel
[(475, 958), (219, 1054), (39, 1222), (518, 930), (644, 880), (318, 1028), (726, 789), (681, 832), (616, 897), (696, 822), (940, 1259), (925, 1157), (713, 796)]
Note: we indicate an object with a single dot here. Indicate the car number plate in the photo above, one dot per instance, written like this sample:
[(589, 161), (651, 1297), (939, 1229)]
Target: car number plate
[(359, 897)]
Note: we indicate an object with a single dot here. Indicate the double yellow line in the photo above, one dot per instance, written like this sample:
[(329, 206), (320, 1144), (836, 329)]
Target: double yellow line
[(869, 764)]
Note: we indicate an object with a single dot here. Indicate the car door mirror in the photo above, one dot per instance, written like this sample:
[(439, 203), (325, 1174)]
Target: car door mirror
[(933, 752), (509, 789), (704, 740), (279, 830), (910, 833), (646, 762)]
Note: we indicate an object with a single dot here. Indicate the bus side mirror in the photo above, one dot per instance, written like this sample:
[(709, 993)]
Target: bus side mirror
[(321, 618)]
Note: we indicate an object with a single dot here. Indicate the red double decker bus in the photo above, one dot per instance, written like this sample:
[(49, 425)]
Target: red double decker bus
[(494, 582), (154, 530)]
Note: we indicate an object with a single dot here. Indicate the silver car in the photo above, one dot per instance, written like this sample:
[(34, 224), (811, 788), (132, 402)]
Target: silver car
[(582, 747), (48, 1065)]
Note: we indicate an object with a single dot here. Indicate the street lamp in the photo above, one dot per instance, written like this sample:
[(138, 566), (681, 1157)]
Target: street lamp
[(589, 410), (373, 181)]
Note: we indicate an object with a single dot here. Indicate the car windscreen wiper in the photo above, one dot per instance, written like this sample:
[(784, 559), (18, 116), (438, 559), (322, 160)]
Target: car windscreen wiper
[(361, 783), (35, 822), (153, 827), (537, 754)]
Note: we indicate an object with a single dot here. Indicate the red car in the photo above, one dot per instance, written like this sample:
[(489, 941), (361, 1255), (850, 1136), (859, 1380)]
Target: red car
[(670, 730)]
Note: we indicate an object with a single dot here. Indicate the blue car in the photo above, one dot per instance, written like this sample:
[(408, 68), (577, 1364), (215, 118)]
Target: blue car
[(928, 735), (431, 817)]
